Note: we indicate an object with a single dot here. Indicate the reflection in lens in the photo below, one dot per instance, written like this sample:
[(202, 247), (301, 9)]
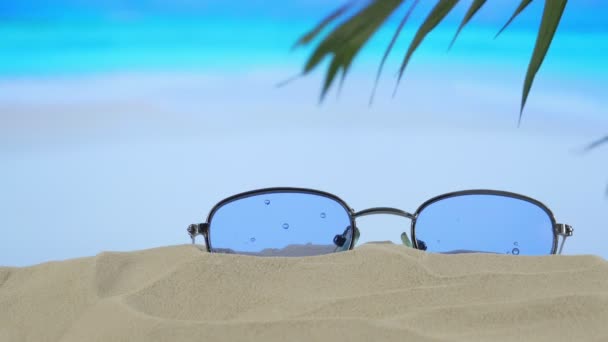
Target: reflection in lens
[(296, 224), (485, 223)]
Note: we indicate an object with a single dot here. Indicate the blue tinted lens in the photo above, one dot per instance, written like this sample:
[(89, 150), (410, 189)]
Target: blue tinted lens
[(485, 223), (281, 224)]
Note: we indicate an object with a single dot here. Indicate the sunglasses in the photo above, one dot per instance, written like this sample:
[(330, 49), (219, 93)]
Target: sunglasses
[(306, 222)]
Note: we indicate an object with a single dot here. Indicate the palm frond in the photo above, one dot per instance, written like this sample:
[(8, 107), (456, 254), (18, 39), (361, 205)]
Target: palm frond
[(552, 15), (522, 6), (390, 47), (597, 143), (441, 9), (309, 36), (475, 6), (344, 42), (348, 38)]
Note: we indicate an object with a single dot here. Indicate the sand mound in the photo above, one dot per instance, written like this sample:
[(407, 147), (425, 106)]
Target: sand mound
[(376, 292)]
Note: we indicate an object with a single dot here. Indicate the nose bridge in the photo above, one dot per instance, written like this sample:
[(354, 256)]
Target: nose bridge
[(384, 210)]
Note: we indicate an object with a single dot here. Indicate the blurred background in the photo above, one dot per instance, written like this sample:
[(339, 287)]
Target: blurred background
[(121, 122)]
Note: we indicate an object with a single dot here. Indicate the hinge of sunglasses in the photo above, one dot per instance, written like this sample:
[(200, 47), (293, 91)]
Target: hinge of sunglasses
[(564, 229), (197, 229)]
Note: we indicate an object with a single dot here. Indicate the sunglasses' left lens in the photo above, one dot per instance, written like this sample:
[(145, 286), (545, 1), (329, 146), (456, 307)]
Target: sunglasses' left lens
[(281, 224), (487, 223)]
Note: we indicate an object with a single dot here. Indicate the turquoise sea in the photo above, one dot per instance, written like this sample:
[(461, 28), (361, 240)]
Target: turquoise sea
[(71, 38)]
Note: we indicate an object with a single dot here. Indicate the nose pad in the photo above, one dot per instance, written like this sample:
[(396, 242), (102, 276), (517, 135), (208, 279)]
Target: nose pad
[(339, 240), (343, 241), (406, 240), (421, 245)]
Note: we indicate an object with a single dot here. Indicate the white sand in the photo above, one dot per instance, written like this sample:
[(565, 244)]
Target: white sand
[(378, 292)]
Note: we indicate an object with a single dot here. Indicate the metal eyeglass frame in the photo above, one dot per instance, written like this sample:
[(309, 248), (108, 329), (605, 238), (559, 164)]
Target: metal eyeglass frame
[(559, 229)]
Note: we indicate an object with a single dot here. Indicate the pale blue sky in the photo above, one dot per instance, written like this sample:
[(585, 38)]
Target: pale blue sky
[(118, 133)]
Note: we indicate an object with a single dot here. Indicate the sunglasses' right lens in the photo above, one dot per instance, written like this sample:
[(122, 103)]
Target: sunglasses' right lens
[(281, 224), (485, 223)]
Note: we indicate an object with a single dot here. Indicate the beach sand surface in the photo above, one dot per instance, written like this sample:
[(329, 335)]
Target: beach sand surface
[(377, 292)]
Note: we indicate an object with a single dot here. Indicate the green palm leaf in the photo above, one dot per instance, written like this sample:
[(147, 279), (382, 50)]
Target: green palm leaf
[(441, 9), (348, 39), (475, 6), (597, 143), (308, 37), (522, 6), (390, 47), (344, 42), (552, 15)]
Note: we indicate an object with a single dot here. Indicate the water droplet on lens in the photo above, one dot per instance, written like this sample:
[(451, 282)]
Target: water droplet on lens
[(267, 202), (515, 251), (252, 239), (515, 243), (285, 226), (323, 215)]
